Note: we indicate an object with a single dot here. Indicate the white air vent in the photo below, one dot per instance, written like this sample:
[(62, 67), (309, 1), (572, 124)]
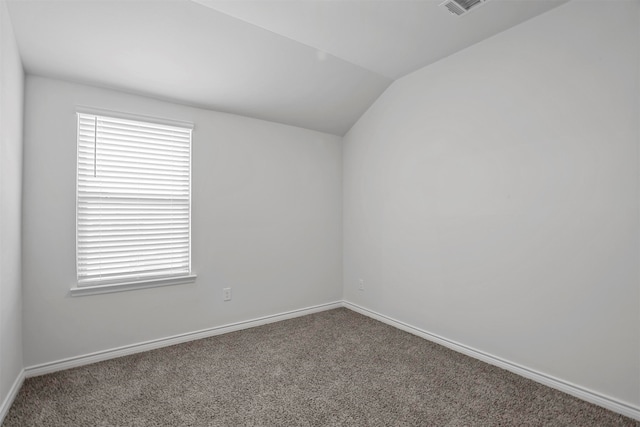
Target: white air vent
[(460, 7)]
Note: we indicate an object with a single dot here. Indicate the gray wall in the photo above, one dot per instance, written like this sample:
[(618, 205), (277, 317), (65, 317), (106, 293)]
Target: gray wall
[(11, 101), (266, 221), (492, 198)]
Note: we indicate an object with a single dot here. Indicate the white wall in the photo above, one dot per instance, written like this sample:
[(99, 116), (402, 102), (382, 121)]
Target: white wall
[(11, 102), (492, 198), (266, 222)]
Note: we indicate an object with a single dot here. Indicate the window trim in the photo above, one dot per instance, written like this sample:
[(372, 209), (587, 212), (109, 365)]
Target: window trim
[(179, 279), (131, 286), (82, 109)]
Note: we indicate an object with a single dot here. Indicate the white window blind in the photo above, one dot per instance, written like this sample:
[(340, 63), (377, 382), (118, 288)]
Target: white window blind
[(133, 201)]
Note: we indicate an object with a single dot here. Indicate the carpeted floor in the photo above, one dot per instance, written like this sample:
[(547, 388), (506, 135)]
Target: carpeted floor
[(335, 368)]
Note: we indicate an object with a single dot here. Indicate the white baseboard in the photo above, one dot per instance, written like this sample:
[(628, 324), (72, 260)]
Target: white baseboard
[(548, 380), (73, 362), (11, 396)]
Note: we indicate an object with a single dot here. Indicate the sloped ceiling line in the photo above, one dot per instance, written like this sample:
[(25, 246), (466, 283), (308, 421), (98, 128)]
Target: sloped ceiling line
[(315, 64)]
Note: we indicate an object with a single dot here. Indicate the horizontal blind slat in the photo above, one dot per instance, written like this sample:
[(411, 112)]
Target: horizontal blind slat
[(143, 270), (133, 245), (88, 137), (136, 126), (133, 163), (146, 263), (88, 258), (122, 173), (133, 124), (125, 204), (127, 167), (114, 250), (136, 153), (112, 189), (133, 225), (116, 133)]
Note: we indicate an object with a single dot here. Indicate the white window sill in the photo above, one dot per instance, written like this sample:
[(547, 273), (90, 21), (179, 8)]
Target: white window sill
[(130, 286)]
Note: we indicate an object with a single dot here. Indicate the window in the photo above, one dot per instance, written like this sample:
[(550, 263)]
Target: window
[(133, 204)]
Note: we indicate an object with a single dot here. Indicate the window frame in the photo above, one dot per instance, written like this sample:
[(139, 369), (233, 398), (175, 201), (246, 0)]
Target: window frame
[(127, 285)]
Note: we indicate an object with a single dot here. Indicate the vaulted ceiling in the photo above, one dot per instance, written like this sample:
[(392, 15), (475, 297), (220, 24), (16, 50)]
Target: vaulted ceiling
[(317, 64)]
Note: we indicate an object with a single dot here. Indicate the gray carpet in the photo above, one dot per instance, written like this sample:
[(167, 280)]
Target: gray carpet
[(335, 368)]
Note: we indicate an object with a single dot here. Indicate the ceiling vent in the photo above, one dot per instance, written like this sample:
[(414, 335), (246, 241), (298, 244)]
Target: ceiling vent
[(460, 7)]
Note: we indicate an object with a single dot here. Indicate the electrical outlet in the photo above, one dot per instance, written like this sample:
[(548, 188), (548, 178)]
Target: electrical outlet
[(360, 284), (226, 294)]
